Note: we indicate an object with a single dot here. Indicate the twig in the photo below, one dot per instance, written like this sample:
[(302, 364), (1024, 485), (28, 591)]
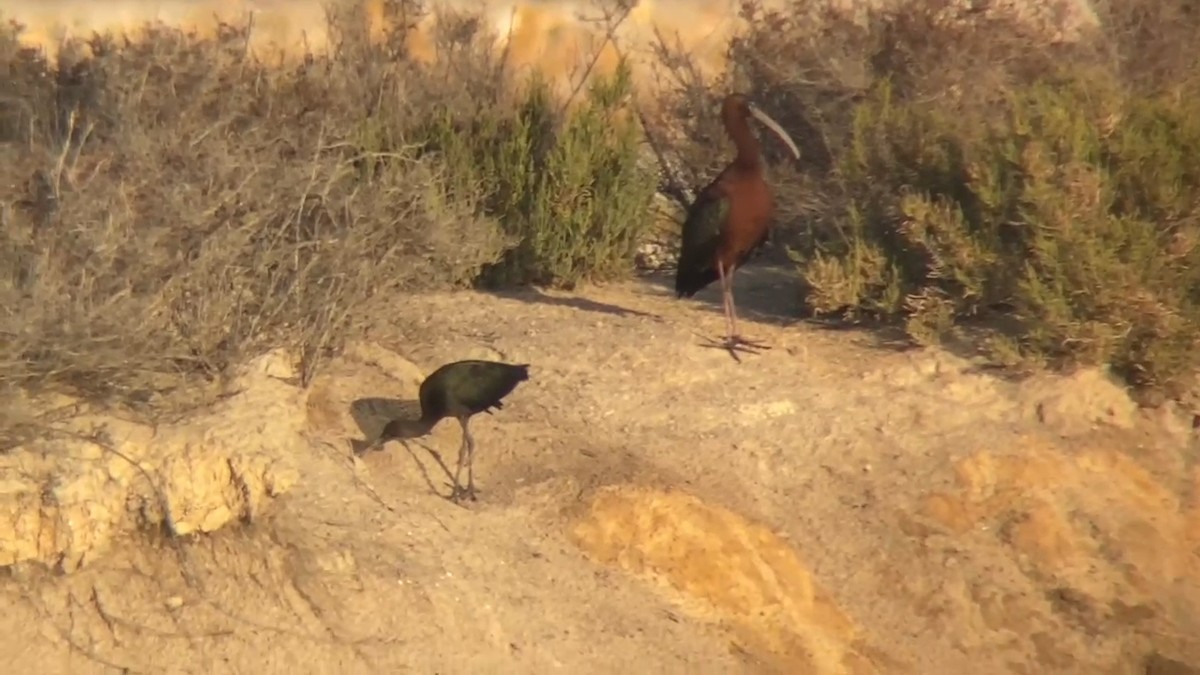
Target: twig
[(371, 490), (612, 22), (61, 162), (502, 68), (104, 614), (68, 636), (249, 33), (671, 186)]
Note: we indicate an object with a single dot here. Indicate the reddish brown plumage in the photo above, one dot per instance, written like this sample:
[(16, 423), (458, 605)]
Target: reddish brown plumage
[(753, 203), (731, 215)]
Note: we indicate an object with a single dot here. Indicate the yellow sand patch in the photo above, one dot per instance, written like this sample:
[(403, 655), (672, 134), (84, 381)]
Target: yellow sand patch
[(1045, 535), (1077, 518), (729, 570)]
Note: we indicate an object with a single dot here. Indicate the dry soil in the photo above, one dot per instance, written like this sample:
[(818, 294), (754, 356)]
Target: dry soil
[(836, 504)]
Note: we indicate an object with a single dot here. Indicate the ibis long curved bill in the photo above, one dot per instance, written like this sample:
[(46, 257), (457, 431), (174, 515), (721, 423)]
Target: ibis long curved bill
[(771, 124)]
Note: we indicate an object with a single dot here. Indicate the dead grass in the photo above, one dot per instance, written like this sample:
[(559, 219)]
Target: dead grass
[(174, 206)]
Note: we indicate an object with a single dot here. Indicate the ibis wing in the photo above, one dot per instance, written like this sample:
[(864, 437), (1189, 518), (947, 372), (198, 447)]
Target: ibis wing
[(701, 234), (483, 385), (707, 214)]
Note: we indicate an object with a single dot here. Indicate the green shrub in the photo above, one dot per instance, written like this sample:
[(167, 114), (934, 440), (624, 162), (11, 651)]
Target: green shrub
[(959, 168), (1074, 209), (565, 185)]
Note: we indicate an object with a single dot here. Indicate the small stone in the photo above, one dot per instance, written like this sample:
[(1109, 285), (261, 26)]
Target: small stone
[(174, 602)]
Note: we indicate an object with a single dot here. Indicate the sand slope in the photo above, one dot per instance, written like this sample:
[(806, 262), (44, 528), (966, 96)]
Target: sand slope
[(830, 506)]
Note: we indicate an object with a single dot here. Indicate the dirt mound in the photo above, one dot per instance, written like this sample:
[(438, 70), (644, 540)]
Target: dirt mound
[(66, 498), (728, 569), (1077, 403), (1102, 543), (645, 505)]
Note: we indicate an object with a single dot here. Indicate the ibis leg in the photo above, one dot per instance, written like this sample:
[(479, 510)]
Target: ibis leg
[(470, 463), (457, 491), (726, 301), (735, 338), (733, 342), (466, 456)]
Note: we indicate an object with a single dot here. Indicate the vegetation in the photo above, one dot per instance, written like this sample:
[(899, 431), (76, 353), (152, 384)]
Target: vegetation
[(573, 199), (963, 169), (173, 206)]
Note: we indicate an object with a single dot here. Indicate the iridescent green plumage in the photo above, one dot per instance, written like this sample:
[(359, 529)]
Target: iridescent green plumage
[(698, 246), (467, 388), (460, 390)]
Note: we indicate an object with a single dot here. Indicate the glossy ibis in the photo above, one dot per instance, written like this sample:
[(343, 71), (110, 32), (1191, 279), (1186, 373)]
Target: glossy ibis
[(460, 390), (730, 217)]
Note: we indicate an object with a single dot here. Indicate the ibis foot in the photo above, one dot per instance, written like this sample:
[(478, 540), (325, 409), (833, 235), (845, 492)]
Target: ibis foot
[(745, 344), (458, 493), (737, 343), (734, 344)]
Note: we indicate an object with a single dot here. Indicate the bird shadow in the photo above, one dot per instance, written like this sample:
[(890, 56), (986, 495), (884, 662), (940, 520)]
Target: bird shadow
[(768, 290), (371, 415), (533, 295), (880, 335), (437, 457), (764, 292)]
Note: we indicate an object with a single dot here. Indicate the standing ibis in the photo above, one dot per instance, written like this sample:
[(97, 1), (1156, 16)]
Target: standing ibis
[(730, 217), (460, 390)]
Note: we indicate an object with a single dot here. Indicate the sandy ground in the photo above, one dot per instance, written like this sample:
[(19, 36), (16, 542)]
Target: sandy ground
[(833, 505)]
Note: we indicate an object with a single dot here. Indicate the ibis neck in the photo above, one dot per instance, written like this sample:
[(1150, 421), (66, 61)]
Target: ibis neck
[(749, 152)]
